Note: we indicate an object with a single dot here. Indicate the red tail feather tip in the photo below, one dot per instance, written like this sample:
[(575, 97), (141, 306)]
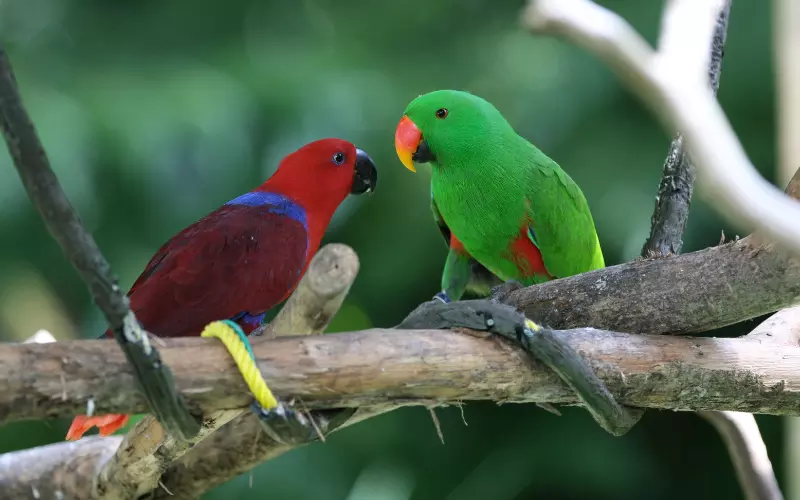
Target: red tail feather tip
[(107, 424)]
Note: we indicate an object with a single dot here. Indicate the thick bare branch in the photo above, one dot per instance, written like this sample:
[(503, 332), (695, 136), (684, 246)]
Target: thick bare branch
[(407, 366), (693, 292), (146, 452), (65, 226), (377, 366)]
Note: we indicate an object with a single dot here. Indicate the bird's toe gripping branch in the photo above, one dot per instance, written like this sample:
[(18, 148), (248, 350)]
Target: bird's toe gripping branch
[(500, 292), (282, 423), (540, 343)]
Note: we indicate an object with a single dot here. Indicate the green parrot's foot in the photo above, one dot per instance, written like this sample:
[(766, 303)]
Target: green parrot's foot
[(442, 297), (501, 292), (293, 428), (558, 355), (541, 343)]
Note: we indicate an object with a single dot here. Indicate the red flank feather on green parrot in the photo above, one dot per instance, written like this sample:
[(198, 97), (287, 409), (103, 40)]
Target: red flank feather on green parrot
[(496, 198), (248, 255)]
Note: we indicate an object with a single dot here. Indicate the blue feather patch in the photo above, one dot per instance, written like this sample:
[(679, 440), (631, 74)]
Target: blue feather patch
[(248, 319), (532, 236), (275, 204)]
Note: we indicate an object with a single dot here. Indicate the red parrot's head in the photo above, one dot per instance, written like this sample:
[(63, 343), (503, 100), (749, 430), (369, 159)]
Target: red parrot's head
[(322, 173)]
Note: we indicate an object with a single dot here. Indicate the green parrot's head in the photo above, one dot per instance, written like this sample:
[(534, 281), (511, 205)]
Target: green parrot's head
[(446, 123)]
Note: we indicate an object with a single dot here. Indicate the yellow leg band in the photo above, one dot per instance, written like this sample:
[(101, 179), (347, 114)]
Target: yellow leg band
[(238, 346), (531, 325)]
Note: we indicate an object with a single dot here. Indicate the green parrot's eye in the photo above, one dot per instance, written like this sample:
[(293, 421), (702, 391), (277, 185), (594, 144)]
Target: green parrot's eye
[(338, 158), (441, 113)]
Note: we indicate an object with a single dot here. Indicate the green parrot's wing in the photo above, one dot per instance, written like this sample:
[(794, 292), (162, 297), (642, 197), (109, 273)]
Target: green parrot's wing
[(562, 226), (481, 279)]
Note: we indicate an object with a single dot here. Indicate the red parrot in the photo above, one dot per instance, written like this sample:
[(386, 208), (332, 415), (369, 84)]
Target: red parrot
[(247, 256)]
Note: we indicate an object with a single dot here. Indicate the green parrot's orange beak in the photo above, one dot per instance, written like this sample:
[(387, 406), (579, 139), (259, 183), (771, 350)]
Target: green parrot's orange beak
[(406, 141)]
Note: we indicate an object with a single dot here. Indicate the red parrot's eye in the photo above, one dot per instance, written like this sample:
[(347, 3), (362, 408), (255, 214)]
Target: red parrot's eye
[(338, 158), (441, 113)]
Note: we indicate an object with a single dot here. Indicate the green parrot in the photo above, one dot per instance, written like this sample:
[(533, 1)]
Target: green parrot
[(496, 198), (509, 214)]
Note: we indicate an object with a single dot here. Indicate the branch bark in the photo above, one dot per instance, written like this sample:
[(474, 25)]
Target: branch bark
[(65, 226), (385, 365), (690, 293)]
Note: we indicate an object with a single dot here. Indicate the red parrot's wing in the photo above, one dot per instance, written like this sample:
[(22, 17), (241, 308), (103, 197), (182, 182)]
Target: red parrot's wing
[(244, 257), (237, 259)]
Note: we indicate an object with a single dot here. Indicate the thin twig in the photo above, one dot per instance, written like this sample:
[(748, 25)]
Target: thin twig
[(65, 226), (436, 424)]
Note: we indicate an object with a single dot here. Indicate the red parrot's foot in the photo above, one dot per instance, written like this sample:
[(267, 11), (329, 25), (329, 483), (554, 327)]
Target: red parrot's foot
[(108, 425)]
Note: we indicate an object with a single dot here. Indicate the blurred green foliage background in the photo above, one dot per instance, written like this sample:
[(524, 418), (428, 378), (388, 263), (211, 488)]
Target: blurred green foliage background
[(155, 113)]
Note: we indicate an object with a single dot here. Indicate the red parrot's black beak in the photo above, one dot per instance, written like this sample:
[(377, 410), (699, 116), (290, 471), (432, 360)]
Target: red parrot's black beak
[(365, 175)]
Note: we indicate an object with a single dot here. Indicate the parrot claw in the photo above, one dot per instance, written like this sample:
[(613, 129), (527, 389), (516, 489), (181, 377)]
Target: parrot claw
[(540, 343), (287, 426), (500, 292), (442, 296), (283, 424)]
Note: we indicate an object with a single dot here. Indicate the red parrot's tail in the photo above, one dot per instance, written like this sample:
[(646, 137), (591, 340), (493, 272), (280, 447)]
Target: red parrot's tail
[(108, 424)]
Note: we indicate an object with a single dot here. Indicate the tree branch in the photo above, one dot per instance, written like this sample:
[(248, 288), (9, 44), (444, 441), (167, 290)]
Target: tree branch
[(81, 250), (756, 272), (233, 450), (673, 83), (739, 430), (674, 196), (744, 374), (385, 365), (682, 46), (63, 470), (693, 292), (748, 452), (407, 366), (146, 452), (179, 478), (218, 459)]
